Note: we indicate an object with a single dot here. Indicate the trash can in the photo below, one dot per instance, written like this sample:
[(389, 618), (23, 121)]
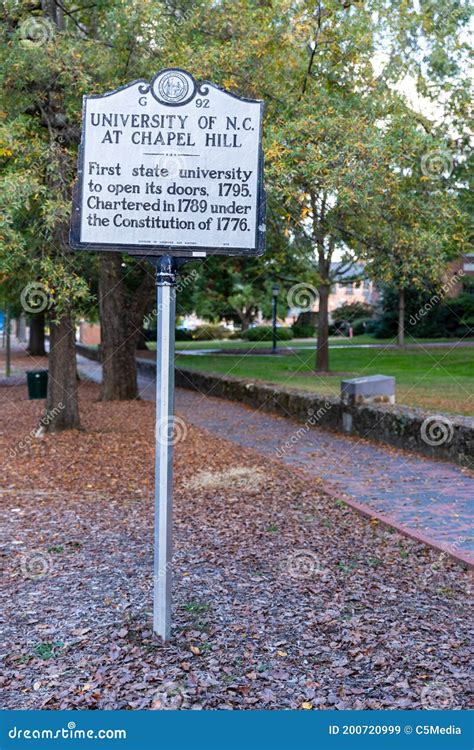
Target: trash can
[(37, 383)]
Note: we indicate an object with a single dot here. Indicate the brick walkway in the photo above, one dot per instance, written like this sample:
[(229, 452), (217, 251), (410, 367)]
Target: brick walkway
[(428, 499)]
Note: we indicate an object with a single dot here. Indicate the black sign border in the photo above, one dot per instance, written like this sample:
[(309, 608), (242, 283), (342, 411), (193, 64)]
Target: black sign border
[(189, 251)]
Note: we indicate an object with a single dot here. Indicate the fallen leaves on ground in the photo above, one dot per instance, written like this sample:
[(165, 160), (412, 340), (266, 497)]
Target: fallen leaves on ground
[(283, 598)]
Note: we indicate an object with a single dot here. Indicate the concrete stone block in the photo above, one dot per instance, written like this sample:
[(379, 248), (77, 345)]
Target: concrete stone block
[(373, 389)]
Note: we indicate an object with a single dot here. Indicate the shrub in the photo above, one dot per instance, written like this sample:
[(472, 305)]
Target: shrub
[(338, 328), (182, 335), (352, 311), (359, 326), (265, 333), (303, 331), (425, 317), (209, 332)]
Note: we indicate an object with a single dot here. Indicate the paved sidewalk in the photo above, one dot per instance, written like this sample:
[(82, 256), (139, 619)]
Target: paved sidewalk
[(428, 499), (288, 349)]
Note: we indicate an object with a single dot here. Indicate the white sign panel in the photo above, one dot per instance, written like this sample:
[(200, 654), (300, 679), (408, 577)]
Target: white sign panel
[(173, 166)]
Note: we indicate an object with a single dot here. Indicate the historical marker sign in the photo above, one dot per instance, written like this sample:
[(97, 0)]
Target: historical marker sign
[(169, 170), (170, 167)]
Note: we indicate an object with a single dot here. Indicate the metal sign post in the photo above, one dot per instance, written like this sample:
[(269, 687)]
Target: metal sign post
[(169, 170), (165, 317)]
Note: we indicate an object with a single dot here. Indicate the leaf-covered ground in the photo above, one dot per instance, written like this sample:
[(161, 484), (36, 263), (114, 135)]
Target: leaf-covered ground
[(283, 597)]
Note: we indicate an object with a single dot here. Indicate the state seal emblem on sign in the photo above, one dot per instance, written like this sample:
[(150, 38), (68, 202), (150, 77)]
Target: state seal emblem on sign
[(173, 87)]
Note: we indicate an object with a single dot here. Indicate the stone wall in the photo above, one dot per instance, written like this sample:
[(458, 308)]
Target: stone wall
[(446, 437)]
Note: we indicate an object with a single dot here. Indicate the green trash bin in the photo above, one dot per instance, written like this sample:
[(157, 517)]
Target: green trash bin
[(37, 383)]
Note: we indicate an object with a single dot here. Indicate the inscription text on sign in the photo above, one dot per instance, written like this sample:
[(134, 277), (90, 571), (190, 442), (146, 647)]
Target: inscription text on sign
[(170, 167)]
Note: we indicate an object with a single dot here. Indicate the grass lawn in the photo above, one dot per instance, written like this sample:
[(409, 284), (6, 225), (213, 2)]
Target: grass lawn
[(433, 379), (293, 344), (243, 344)]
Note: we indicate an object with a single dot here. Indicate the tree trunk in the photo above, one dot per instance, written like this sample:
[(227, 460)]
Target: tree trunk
[(21, 329), (322, 351), (141, 341), (62, 412), (401, 318), (117, 335), (8, 351), (36, 338), (245, 317)]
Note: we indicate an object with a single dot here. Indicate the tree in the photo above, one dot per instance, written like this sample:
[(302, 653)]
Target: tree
[(239, 289), (51, 55), (121, 316), (36, 338), (420, 213), (338, 158), (41, 132), (328, 73)]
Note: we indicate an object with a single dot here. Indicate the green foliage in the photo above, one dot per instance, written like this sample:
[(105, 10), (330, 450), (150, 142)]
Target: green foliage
[(209, 332), (47, 650), (265, 333), (428, 315), (343, 148), (181, 334), (303, 331), (351, 311), (359, 326)]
